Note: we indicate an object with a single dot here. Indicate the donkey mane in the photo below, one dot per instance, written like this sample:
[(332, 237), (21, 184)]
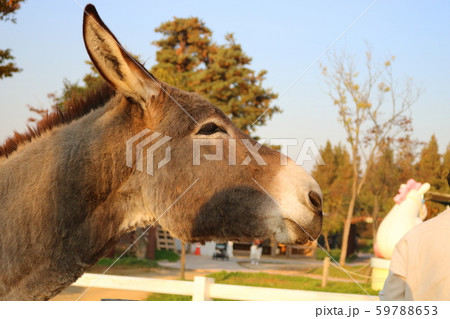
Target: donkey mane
[(77, 106)]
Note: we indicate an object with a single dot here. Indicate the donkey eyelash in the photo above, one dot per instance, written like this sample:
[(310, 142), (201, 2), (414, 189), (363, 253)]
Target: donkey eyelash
[(210, 128)]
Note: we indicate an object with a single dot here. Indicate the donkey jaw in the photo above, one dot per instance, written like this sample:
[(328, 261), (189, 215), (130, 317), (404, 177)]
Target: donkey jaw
[(299, 231), (295, 234)]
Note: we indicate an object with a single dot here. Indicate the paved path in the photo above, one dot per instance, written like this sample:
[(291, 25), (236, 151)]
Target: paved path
[(194, 262), (96, 294)]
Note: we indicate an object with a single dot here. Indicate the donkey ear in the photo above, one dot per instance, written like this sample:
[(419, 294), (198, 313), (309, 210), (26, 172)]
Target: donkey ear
[(114, 63)]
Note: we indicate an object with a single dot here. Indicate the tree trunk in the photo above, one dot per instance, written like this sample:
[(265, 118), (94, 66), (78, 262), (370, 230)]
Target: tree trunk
[(274, 246), (348, 223), (183, 261), (151, 243), (141, 245), (375, 212), (288, 251), (327, 243)]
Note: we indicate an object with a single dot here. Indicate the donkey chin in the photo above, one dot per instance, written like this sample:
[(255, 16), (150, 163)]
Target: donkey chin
[(289, 224)]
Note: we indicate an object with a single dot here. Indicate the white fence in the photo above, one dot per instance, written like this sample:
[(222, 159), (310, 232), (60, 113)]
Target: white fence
[(203, 288)]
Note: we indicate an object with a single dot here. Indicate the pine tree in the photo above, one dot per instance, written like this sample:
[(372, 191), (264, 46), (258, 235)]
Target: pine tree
[(429, 169), (382, 184), (405, 158), (429, 165), (186, 44), (189, 59), (445, 170), (7, 11)]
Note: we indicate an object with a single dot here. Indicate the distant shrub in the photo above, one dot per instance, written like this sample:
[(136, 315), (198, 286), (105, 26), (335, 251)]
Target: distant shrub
[(128, 261), (365, 245), (335, 253), (166, 255)]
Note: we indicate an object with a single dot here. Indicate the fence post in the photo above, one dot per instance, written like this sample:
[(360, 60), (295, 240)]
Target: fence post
[(326, 269), (183, 260), (201, 288), (273, 246)]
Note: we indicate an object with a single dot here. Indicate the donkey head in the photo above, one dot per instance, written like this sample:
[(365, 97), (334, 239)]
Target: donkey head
[(211, 181)]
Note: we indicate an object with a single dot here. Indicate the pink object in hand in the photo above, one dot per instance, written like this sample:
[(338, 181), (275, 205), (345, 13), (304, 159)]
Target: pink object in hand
[(405, 189)]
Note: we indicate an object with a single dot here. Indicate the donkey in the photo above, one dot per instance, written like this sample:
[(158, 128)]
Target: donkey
[(67, 195)]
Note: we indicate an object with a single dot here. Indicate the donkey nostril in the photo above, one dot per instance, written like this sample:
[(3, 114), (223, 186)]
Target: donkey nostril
[(315, 201)]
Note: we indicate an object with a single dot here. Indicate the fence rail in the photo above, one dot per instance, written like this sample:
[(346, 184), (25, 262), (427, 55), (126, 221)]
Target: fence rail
[(203, 288)]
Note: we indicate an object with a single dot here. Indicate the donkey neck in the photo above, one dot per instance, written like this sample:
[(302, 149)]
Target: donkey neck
[(61, 191)]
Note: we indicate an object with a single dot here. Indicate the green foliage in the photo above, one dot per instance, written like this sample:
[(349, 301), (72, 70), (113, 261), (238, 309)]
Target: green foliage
[(166, 255), (8, 9), (365, 245), (335, 253), (361, 105), (91, 81), (334, 179), (393, 165), (429, 165), (189, 59), (376, 197), (445, 170), (7, 69), (433, 168), (132, 262), (382, 178), (405, 157)]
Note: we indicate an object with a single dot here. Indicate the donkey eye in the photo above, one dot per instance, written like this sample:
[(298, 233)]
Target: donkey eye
[(210, 128)]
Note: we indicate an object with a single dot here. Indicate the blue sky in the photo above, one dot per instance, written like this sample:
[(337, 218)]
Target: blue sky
[(282, 37)]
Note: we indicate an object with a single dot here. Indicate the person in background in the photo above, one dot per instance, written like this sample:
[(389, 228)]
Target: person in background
[(420, 263), (230, 249), (256, 251)]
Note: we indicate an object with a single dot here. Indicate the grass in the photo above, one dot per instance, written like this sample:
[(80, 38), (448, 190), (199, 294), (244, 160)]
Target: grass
[(287, 282), (167, 297), (338, 273), (275, 281)]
